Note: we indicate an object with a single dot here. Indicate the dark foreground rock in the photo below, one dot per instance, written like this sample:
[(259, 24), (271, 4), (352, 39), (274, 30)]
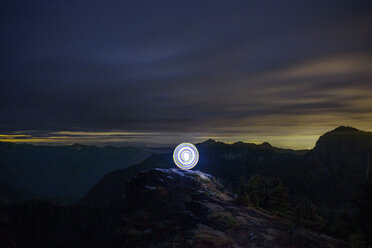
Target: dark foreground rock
[(173, 208)]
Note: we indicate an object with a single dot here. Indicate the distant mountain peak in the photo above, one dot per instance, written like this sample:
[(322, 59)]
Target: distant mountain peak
[(345, 129), (343, 141), (266, 145), (77, 146), (208, 142), (239, 143)]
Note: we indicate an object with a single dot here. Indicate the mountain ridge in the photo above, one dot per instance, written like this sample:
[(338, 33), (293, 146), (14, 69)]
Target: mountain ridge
[(229, 162)]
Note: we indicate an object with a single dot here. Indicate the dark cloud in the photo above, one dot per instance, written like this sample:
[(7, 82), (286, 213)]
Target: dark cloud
[(218, 68)]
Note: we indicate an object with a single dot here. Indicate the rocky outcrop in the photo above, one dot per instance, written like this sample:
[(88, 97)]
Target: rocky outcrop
[(174, 208)]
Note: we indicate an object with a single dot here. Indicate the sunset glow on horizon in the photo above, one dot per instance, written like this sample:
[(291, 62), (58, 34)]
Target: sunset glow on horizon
[(303, 139)]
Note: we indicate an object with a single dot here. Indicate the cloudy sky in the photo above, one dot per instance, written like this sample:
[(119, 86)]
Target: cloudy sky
[(162, 72)]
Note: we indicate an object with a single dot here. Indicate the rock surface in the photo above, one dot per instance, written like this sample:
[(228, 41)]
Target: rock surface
[(174, 208)]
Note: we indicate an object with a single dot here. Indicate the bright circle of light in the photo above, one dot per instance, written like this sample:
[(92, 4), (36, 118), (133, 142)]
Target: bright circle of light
[(185, 150), (186, 156)]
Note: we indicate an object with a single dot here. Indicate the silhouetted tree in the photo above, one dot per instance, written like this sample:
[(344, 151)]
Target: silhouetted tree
[(263, 192)]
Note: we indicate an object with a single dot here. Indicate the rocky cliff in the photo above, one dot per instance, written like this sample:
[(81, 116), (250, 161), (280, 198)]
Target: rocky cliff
[(174, 208)]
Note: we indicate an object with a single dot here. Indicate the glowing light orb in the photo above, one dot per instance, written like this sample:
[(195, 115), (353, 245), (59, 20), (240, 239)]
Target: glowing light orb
[(186, 156)]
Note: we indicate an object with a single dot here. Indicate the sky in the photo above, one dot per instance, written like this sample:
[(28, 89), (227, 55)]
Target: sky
[(163, 72)]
